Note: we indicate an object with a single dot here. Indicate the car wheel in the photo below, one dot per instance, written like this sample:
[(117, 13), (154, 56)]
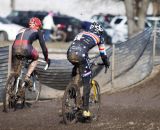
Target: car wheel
[(61, 36), (3, 36)]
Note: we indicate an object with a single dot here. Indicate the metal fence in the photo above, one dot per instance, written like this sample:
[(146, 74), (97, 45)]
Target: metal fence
[(4, 67), (57, 75), (131, 61), (156, 41)]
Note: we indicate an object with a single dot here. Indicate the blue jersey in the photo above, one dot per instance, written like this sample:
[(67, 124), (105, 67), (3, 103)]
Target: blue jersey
[(89, 40)]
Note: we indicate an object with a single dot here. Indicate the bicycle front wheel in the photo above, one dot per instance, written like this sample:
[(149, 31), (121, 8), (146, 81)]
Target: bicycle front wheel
[(94, 99), (69, 106), (9, 94)]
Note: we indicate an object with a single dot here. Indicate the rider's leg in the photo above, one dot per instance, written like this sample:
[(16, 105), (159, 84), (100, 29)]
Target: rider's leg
[(86, 91), (32, 66), (86, 78), (15, 62)]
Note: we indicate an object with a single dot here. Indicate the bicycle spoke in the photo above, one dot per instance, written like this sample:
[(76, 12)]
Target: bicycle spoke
[(9, 94), (69, 107)]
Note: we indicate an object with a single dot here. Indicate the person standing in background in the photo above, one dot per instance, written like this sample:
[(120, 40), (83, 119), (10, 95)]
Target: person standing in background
[(48, 26)]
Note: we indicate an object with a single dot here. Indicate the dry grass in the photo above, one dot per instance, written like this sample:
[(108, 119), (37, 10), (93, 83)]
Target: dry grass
[(5, 43), (53, 45)]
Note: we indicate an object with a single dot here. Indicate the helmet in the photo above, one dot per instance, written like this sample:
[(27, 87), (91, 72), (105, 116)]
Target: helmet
[(96, 28), (35, 23)]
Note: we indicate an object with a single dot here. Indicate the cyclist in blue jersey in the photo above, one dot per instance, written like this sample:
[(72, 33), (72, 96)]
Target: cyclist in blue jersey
[(77, 54)]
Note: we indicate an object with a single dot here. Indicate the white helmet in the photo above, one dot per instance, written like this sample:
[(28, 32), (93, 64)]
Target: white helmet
[(96, 28)]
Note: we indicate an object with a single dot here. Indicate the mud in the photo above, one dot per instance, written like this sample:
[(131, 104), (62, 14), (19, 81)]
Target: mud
[(134, 109)]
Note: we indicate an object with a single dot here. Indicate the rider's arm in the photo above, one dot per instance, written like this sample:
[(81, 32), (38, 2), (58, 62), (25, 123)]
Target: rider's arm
[(43, 46), (102, 50)]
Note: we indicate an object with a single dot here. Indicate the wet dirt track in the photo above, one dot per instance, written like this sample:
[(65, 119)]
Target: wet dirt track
[(134, 109)]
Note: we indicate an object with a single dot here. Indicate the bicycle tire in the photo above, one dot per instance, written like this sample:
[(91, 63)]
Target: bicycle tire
[(8, 97), (69, 106), (34, 93), (94, 100)]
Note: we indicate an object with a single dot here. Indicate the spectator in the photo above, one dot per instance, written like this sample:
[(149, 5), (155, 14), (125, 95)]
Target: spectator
[(48, 26)]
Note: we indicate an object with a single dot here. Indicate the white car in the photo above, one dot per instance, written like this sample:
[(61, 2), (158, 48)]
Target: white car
[(8, 30), (154, 20), (119, 32)]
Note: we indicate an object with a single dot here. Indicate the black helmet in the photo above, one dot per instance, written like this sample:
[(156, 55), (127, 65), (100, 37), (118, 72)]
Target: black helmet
[(96, 28)]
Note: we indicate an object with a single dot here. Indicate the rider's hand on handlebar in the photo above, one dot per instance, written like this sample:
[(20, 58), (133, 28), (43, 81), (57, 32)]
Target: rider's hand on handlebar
[(107, 63), (49, 62)]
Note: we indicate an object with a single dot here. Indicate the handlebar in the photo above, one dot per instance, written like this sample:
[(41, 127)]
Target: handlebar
[(98, 64), (43, 61)]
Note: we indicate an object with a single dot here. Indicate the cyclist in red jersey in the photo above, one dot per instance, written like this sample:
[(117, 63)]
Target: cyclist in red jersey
[(23, 45)]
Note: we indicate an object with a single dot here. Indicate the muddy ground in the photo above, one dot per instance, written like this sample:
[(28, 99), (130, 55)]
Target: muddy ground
[(134, 109)]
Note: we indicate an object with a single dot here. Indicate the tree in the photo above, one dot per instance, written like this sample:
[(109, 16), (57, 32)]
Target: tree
[(12, 5), (156, 7), (136, 8)]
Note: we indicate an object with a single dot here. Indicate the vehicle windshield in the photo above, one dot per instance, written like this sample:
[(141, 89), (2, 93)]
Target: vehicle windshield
[(4, 21), (118, 21)]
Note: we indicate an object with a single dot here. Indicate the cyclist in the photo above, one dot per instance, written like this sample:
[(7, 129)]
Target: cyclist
[(23, 46), (77, 54)]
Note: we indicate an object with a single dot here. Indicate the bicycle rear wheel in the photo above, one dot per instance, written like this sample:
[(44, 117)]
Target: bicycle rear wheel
[(9, 94), (69, 106), (94, 100)]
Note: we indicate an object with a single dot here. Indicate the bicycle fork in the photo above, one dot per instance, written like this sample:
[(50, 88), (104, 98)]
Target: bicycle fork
[(94, 89)]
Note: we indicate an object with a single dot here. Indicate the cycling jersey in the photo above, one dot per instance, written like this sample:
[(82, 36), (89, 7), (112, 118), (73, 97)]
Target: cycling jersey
[(88, 40), (82, 43), (24, 41)]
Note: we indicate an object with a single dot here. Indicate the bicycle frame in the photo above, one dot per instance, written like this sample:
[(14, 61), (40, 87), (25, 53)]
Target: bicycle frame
[(20, 72), (76, 80)]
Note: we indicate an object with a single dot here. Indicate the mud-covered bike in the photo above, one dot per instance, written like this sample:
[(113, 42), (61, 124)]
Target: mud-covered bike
[(72, 101), (17, 90)]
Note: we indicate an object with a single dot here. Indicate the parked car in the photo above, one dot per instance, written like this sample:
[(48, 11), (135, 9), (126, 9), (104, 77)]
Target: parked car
[(119, 31), (154, 20), (22, 17), (8, 30), (103, 17), (67, 26), (70, 25)]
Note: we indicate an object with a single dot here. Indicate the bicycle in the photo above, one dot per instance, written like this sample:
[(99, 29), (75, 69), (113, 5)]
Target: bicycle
[(72, 101), (16, 88)]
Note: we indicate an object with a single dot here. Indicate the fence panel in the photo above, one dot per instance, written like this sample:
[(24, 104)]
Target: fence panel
[(4, 58)]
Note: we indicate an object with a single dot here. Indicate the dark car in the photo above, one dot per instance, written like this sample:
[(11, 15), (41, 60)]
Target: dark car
[(70, 25), (22, 17)]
